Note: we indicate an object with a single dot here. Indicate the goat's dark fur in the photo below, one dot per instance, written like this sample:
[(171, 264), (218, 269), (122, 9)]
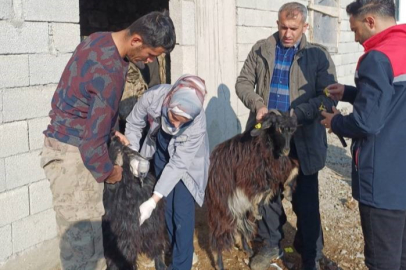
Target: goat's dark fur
[(246, 171), (123, 237)]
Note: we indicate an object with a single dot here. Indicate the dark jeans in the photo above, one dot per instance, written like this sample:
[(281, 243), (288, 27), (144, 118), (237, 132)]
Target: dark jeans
[(309, 236), (180, 223), (385, 238)]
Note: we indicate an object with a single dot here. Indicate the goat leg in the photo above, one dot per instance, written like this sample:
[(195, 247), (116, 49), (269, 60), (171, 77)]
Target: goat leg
[(220, 260), (246, 247)]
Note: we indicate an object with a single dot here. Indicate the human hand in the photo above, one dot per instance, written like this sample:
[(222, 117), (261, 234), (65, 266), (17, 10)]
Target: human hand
[(123, 139), (326, 122), (335, 91), (260, 113), (146, 209), (115, 175)]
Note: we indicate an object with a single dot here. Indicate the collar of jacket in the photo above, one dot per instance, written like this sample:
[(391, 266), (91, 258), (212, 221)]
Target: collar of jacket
[(394, 32), (270, 46)]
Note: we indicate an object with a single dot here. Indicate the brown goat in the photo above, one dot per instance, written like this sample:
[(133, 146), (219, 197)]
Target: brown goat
[(245, 172)]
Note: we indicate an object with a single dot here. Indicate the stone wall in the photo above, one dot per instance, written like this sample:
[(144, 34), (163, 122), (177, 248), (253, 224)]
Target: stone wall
[(38, 37)]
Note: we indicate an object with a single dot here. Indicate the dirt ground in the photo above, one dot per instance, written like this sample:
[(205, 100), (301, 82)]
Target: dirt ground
[(343, 241)]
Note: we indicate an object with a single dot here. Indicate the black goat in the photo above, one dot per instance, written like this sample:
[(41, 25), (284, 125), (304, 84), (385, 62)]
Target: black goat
[(245, 172), (123, 237)]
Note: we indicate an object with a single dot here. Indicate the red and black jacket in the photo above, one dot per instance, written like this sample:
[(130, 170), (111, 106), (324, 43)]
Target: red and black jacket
[(378, 122)]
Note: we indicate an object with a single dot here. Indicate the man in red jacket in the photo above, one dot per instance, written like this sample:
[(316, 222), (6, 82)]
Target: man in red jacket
[(378, 131)]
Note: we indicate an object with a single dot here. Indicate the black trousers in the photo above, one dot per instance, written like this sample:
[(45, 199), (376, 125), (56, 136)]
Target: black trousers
[(385, 238), (309, 236)]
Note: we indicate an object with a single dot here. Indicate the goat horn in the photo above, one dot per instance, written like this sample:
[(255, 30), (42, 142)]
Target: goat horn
[(274, 111)]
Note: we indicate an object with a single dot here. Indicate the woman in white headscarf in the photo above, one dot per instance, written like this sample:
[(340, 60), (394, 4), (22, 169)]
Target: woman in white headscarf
[(178, 143)]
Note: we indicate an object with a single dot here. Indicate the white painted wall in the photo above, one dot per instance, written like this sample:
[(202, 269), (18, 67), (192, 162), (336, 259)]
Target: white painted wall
[(402, 11), (38, 37)]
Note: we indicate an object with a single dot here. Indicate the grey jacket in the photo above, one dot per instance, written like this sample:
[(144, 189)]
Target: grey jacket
[(188, 151), (311, 71)]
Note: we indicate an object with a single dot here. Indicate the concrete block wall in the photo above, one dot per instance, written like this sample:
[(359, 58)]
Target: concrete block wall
[(38, 37), (183, 57), (256, 19)]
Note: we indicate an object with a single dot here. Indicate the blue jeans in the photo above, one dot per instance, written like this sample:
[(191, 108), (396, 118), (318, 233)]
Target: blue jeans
[(385, 238), (180, 223)]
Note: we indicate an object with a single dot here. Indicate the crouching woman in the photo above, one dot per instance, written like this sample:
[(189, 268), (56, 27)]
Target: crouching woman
[(178, 143)]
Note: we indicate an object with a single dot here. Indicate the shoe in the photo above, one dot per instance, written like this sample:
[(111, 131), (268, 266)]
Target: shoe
[(263, 258)]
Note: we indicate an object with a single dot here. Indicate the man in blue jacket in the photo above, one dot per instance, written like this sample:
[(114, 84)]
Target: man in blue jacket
[(377, 127)]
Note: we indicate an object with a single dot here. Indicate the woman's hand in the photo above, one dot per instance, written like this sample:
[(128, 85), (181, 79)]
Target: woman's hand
[(123, 139), (147, 207)]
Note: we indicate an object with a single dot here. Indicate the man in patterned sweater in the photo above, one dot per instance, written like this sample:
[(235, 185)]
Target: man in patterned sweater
[(84, 111)]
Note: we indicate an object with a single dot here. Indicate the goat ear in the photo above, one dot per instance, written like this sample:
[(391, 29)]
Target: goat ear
[(255, 132)]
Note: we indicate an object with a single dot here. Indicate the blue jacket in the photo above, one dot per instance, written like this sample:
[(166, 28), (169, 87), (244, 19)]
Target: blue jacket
[(378, 122)]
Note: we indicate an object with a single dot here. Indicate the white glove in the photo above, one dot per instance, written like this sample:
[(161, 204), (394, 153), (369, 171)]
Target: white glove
[(146, 209)]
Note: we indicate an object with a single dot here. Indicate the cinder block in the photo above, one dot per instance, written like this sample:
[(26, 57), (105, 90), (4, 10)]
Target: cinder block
[(259, 4), (351, 47), (27, 102), (346, 36), (23, 37), (40, 197), (348, 80), (340, 70), (344, 3), (345, 25), (1, 106), (240, 65), (188, 23), (189, 59), (23, 169), (337, 59), (6, 9), (176, 63), (6, 246), (243, 51), (65, 36), (13, 138), (176, 16), (258, 18), (250, 35), (14, 71), (2, 176), (14, 205), (47, 68), (33, 230), (51, 10), (273, 5), (35, 129)]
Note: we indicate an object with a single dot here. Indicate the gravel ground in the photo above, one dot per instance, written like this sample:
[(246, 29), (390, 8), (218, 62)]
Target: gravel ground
[(343, 247)]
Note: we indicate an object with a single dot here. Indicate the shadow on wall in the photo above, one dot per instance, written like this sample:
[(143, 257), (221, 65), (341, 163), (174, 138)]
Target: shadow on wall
[(222, 121)]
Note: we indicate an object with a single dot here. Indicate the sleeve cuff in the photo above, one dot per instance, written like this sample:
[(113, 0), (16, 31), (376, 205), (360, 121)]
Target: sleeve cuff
[(158, 194)]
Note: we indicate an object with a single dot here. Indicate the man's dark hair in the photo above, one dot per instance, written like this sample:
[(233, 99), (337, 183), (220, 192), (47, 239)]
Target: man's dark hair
[(383, 8), (156, 30)]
